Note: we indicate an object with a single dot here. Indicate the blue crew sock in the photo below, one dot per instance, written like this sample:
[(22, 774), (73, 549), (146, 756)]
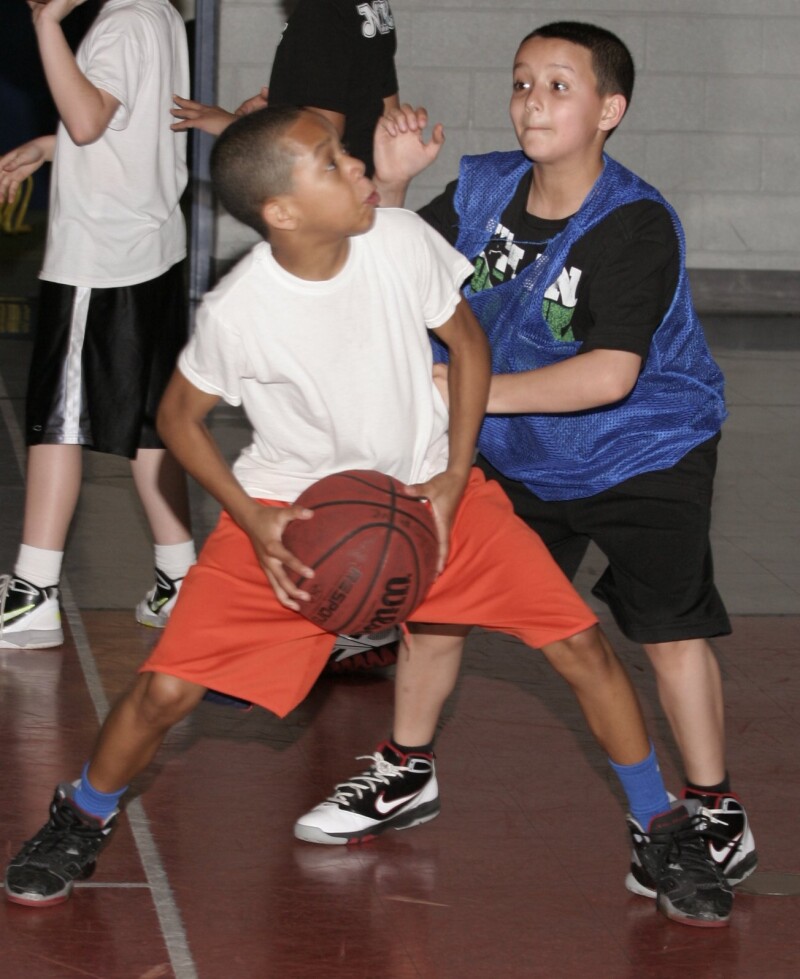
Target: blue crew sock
[(644, 787), (99, 804)]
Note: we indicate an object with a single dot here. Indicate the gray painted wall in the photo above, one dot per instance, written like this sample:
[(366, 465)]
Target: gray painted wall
[(714, 120)]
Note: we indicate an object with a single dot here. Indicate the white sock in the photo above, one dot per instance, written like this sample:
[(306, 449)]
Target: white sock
[(38, 565), (175, 559)]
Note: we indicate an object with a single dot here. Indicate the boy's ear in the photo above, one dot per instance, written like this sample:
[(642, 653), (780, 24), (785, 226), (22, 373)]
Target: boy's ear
[(613, 111), (278, 213)]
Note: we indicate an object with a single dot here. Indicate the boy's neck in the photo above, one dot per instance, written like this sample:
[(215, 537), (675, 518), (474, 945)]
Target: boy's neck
[(315, 262), (558, 192)]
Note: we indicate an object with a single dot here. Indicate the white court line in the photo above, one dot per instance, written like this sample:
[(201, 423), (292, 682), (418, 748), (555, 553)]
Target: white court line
[(169, 916)]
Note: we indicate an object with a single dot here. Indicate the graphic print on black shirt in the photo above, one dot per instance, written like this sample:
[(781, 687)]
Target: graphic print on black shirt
[(507, 254), (616, 285)]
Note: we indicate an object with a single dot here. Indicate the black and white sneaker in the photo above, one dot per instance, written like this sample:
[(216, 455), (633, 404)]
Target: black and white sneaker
[(29, 616), (352, 654), (397, 791), (671, 863), (64, 850), (154, 609), (729, 842)]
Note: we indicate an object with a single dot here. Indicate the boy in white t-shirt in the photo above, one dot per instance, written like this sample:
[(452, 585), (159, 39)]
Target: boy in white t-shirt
[(341, 298), (112, 314)]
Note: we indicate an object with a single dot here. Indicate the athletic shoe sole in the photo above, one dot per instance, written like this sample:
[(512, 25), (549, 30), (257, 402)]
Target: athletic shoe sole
[(154, 620), (420, 814), (666, 907), (739, 872), (32, 639), (33, 901)]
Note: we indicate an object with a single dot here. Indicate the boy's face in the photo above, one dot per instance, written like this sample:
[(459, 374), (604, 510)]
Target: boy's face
[(329, 191), (557, 113)]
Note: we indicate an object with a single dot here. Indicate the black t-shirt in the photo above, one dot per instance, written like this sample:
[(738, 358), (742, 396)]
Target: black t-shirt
[(338, 55), (618, 281)]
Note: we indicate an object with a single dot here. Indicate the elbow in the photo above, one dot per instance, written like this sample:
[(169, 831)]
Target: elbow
[(615, 375), (617, 389), (84, 133)]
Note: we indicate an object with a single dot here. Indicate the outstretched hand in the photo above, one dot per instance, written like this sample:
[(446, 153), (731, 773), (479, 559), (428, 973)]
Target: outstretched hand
[(212, 119), (17, 165), (260, 101), (400, 147)]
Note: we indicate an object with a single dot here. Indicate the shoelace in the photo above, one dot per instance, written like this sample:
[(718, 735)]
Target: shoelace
[(65, 833), (687, 847), (379, 774), (711, 817)]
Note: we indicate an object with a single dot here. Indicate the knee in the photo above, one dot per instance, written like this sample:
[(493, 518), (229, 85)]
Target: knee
[(165, 700), (583, 655), (684, 655)]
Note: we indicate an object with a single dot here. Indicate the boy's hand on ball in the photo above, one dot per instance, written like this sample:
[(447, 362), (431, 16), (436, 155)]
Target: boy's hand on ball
[(444, 493), (265, 529)]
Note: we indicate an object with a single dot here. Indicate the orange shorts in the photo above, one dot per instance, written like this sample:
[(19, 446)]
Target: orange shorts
[(229, 632)]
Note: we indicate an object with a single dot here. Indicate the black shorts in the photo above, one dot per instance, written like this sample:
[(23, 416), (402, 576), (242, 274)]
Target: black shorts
[(654, 531), (101, 361)]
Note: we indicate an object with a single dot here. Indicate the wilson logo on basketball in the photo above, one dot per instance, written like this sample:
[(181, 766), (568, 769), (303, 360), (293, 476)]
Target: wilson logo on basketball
[(373, 549), (338, 595), (395, 595)]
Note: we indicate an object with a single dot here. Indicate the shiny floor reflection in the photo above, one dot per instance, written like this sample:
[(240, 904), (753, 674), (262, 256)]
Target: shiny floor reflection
[(520, 877)]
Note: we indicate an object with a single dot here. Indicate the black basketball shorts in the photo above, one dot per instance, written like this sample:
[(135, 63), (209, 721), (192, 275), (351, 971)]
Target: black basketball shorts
[(101, 361), (654, 531)]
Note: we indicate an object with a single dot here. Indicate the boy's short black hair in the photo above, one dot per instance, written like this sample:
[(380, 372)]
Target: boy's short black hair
[(611, 59), (251, 162)]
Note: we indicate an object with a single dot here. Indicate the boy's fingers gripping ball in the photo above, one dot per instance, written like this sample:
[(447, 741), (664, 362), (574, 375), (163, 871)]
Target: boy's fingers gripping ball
[(373, 549)]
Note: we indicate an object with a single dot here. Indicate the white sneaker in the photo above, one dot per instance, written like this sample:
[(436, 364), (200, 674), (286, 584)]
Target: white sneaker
[(29, 616), (154, 609), (396, 792)]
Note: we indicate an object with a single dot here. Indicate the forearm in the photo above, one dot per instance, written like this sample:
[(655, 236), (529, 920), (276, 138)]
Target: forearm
[(391, 194), (591, 380), (84, 109), (468, 388), (190, 441), (47, 145)]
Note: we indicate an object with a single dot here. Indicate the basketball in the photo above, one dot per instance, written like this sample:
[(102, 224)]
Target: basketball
[(373, 549)]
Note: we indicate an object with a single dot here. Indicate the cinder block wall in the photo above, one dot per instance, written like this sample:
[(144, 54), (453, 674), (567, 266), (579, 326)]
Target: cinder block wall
[(714, 121)]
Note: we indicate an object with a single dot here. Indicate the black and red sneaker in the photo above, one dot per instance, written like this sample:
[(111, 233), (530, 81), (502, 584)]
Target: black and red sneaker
[(729, 840), (671, 863), (64, 850)]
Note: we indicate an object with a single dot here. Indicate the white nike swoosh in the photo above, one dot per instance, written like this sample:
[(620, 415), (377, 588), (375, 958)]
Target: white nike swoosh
[(384, 808), (721, 855)]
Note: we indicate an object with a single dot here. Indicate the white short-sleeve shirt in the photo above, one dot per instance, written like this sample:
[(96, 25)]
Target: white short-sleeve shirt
[(336, 374), (115, 216)]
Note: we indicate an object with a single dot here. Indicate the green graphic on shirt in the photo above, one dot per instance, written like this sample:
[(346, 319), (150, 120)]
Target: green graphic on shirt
[(480, 277), (558, 319), (485, 275)]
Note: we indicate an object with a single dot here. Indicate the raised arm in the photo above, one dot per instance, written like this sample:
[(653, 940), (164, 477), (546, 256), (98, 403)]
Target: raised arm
[(401, 150), (84, 109)]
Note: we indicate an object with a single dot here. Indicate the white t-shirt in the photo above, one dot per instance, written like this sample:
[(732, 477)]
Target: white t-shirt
[(333, 375), (115, 216)]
